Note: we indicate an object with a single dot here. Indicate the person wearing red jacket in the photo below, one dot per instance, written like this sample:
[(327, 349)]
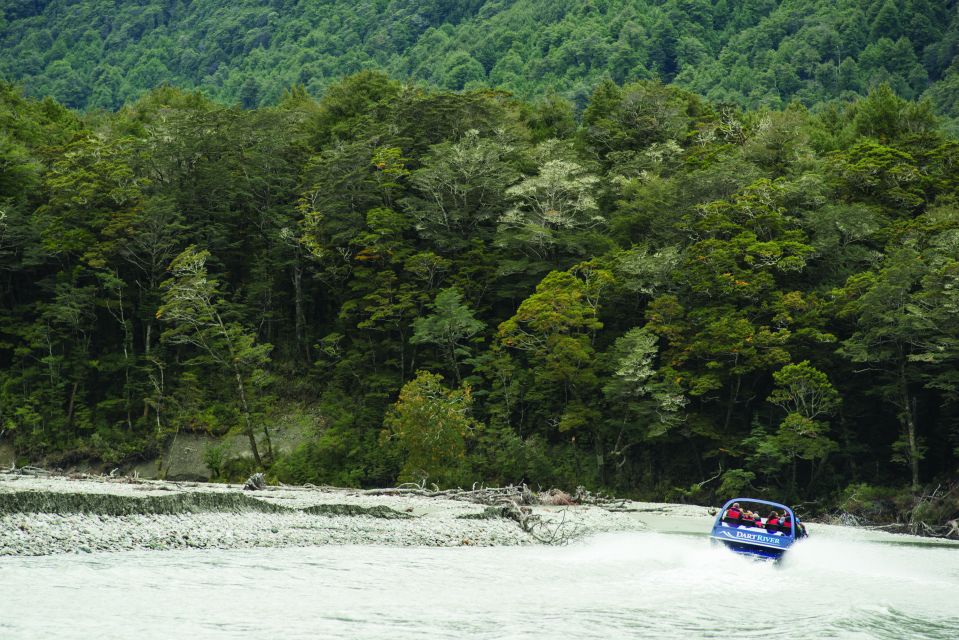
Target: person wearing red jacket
[(786, 524), (772, 522), (733, 515)]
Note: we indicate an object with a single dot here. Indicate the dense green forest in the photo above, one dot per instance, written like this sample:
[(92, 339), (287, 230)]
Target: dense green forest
[(666, 297), (105, 53)]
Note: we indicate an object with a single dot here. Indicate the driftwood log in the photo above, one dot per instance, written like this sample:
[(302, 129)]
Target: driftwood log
[(27, 471), (521, 493), (515, 502), (256, 482)]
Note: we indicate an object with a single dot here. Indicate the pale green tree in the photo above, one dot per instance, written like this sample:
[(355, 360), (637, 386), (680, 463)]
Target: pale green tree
[(461, 187), (449, 327), (804, 390), (647, 404), (559, 198), (808, 399), (192, 307)]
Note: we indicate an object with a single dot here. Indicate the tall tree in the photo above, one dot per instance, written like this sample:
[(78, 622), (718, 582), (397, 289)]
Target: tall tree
[(193, 307), (891, 329), (808, 398)]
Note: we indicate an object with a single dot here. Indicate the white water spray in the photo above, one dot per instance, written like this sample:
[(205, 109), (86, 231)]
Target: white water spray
[(840, 583)]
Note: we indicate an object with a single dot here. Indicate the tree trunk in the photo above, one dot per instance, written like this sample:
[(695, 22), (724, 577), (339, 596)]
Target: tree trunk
[(909, 423), (299, 317), (733, 399), (402, 358), (792, 479), (71, 405), (815, 470), (269, 442), (248, 420), (451, 354), (600, 460), (913, 449), (165, 472), (697, 456), (147, 333), (158, 385)]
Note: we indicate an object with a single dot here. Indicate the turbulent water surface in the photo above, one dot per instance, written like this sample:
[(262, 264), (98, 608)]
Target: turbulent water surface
[(841, 583)]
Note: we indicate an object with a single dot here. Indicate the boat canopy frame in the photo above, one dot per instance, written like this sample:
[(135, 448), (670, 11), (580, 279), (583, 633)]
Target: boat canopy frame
[(792, 514), (755, 543)]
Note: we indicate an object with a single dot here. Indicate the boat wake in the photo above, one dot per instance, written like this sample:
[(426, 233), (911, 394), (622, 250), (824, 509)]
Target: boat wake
[(839, 583)]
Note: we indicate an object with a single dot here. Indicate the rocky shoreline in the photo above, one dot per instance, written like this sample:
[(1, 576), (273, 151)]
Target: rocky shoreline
[(45, 514)]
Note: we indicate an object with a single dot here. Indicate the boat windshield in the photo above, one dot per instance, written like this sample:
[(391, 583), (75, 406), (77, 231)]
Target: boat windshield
[(759, 516)]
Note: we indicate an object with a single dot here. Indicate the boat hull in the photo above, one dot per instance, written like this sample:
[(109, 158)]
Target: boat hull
[(754, 551)]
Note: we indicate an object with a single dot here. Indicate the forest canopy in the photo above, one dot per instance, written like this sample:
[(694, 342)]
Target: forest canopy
[(752, 53), (667, 297)]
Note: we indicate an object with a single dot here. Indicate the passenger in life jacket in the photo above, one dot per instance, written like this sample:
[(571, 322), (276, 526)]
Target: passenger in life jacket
[(786, 524), (733, 514), (749, 519), (772, 522)]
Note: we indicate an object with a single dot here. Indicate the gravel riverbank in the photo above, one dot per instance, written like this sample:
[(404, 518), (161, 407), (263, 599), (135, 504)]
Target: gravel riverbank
[(53, 514)]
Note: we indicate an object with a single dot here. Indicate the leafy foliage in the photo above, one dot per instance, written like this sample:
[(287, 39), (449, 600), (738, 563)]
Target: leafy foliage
[(431, 424), (668, 297), (102, 54)]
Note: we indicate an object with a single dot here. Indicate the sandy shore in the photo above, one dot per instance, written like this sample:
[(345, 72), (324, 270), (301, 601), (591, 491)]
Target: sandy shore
[(50, 515)]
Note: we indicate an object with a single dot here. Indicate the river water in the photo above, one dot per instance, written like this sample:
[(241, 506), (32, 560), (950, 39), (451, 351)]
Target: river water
[(840, 583)]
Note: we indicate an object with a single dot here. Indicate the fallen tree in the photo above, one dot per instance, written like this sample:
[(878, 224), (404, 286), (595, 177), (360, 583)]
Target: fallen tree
[(514, 502)]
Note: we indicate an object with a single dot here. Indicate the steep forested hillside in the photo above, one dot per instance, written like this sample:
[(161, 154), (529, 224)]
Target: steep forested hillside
[(103, 53), (672, 298)]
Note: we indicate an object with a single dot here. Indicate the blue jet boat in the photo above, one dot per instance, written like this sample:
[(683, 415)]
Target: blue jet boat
[(761, 540)]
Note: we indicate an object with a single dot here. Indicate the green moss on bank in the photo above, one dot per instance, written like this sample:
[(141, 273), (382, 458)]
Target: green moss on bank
[(356, 510), (110, 505)]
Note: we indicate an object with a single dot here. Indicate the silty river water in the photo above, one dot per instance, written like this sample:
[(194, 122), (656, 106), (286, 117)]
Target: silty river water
[(840, 583)]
